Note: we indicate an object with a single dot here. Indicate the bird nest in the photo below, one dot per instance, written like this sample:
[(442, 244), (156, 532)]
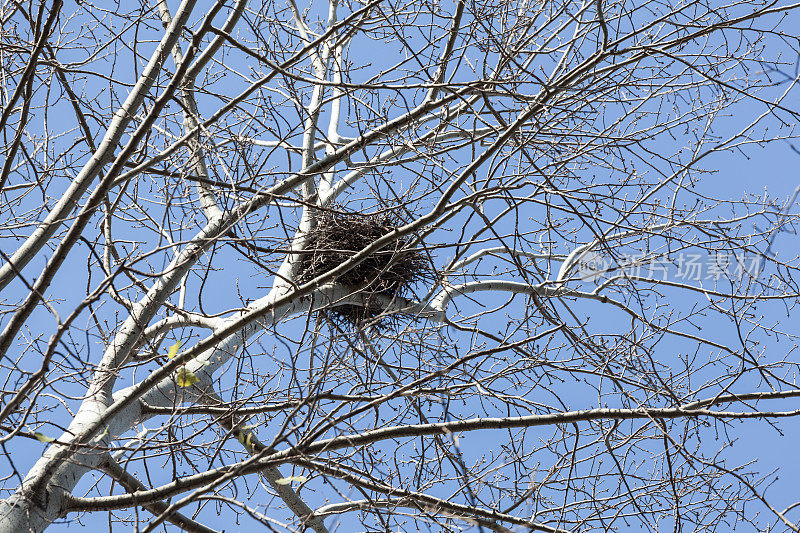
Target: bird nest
[(390, 271)]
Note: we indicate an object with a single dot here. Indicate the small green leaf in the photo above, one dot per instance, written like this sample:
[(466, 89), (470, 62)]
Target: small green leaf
[(291, 479), (173, 350), (101, 435), (185, 378), (246, 439), (41, 437)]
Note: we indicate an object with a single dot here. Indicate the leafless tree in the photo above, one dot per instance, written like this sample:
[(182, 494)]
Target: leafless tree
[(410, 265)]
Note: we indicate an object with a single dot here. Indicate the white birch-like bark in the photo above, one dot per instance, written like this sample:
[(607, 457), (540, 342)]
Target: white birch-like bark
[(34, 511), (445, 109), (104, 154)]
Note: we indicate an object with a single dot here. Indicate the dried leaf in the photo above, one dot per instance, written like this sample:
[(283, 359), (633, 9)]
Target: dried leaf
[(41, 437), (185, 377), (291, 479), (173, 350)]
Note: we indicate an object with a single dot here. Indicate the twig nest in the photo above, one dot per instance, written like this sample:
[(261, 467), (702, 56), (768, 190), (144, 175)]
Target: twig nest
[(390, 271)]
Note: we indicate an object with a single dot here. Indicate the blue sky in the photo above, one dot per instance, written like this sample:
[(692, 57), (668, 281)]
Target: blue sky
[(755, 170)]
